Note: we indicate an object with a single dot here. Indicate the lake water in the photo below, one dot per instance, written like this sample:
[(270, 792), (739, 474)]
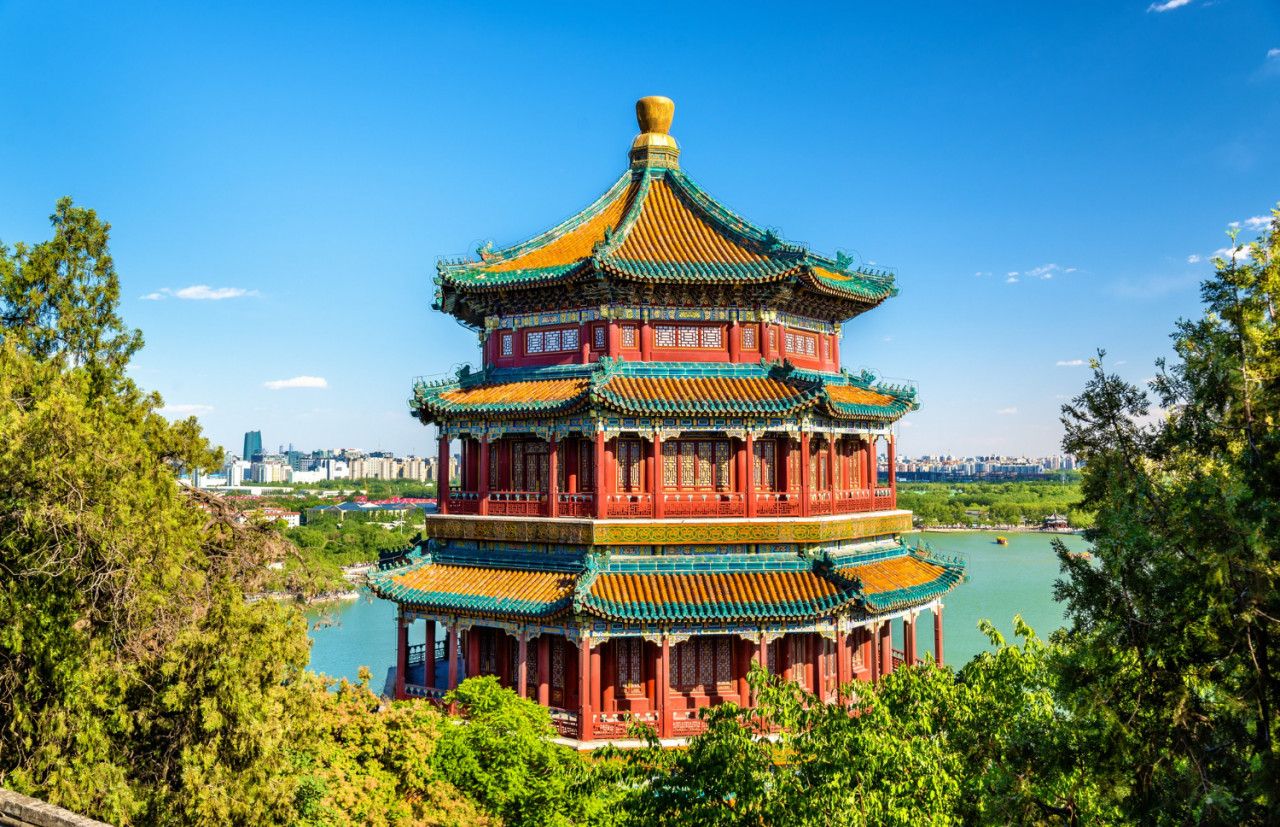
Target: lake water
[(1003, 581)]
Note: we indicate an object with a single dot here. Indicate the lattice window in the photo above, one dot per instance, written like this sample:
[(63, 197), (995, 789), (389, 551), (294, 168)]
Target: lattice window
[(493, 467), (749, 337), (789, 340), (810, 346), (629, 653), (722, 465), (799, 672), (856, 660), (630, 459), (597, 337), (664, 335), (531, 666), (771, 657), (704, 478), (488, 651), (569, 339), (507, 343), (704, 663), (517, 466), (826, 349), (773, 339), (712, 337), (557, 671), (534, 341), (687, 474), (765, 451), (544, 471), (586, 465), (561, 469), (724, 659), (688, 336), (553, 341), (793, 470), (629, 335)]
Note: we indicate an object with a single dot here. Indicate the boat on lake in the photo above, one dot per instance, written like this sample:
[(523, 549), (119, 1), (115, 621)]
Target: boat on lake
[(1002, 541)]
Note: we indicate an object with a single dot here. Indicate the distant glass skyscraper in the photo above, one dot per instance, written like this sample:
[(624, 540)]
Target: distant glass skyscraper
[(252, 444)]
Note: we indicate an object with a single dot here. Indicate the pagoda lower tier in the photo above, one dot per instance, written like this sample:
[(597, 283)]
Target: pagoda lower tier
[(608, 622)]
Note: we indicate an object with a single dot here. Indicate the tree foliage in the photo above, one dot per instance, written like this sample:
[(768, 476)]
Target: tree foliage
[(1174, 633)]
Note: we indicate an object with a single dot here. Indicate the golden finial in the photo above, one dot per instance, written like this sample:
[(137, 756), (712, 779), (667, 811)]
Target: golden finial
[(653, 146)]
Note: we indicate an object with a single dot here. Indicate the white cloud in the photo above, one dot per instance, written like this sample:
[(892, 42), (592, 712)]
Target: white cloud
[(1258, 222), (1069, 270), (1009, 411), (1193, 259), (906, 424), (1273, 54), (1070, 363), (887, 339), (186, 410), (1168, 5), (1011, 280), (1014, 273), (1122, 362), (200, 291), (1237, 254), (297, 382), (1044, 271)]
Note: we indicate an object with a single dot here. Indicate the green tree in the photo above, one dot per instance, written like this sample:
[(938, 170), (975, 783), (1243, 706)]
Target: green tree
[(1173, 645)]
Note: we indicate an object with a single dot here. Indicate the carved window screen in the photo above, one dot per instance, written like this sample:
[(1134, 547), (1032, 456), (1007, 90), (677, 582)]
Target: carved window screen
[(749, 337), (597, 337), (765, 464), (630, 465), (704, 664), (629, 652), (629, 335), (507, 344)]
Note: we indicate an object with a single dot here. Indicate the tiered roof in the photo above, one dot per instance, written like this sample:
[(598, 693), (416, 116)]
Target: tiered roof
[(655, 226), (662, 389), (676, 588)]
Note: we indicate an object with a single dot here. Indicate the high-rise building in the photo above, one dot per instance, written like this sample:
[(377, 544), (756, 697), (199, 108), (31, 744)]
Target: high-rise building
[(252, 444)]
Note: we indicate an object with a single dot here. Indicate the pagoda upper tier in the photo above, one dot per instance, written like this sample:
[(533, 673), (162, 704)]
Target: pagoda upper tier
[(656, 238)]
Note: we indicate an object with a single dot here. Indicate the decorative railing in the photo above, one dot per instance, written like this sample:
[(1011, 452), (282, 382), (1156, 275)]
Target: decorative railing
[(517, 504), (417, 654), (628, 505), (618, 724), (464, 502), (686, 723), (565, 722), (820, 503), (855, 501), (706, 504), (428, 692), (576, 505), (899, 658), (777, 505)]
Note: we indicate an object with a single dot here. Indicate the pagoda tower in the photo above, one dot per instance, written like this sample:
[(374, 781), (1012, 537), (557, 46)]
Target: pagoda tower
[(666, 476)]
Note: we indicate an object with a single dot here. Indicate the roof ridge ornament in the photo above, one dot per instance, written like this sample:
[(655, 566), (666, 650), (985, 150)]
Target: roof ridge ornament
[(653, 147)]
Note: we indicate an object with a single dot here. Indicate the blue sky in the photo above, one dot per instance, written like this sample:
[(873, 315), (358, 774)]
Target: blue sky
[(282, 177)]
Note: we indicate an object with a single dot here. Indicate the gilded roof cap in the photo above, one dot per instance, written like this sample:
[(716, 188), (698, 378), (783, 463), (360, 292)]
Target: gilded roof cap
[(653, 147)]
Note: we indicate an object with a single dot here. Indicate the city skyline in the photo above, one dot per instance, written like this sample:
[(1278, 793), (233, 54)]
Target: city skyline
[(1044, 181)]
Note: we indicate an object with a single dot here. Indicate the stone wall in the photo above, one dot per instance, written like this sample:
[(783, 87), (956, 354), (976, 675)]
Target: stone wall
[(23, 811)]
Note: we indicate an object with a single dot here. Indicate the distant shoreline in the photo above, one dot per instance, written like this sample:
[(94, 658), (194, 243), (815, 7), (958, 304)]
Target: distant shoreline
[(1001, 530)]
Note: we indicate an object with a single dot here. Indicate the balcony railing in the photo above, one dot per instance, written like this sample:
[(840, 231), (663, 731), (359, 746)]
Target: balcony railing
[(576, 505), (517, 504), (780, 504), (676, 504), (704, 505), (628, 505)]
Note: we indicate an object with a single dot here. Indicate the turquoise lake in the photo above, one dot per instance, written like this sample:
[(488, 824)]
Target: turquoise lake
[(1003, 581)]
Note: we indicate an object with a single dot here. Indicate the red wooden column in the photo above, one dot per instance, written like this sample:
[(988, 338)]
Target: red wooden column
[(893, 474), (806, 469), (909, 639), (651, 461), (742, 665), (749, 473), (658, 471), (871, 462), (544, 669), (835, 350), (735, 342), (599, 476), (553, 476), (482, 486), (873, 650), (763, 653), (664, 689), (597, 679), (442, 477), (473, 652), (646, 341), (584, 336), (831, 469), (402, 654), (615, 339), (842, 662), (886, 648), (430, 659), (451, 653), (584, 689), (522, 666), (937, 634)]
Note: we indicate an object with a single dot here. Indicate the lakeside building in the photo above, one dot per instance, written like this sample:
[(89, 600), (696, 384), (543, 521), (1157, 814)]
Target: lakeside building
[(665, 474)]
